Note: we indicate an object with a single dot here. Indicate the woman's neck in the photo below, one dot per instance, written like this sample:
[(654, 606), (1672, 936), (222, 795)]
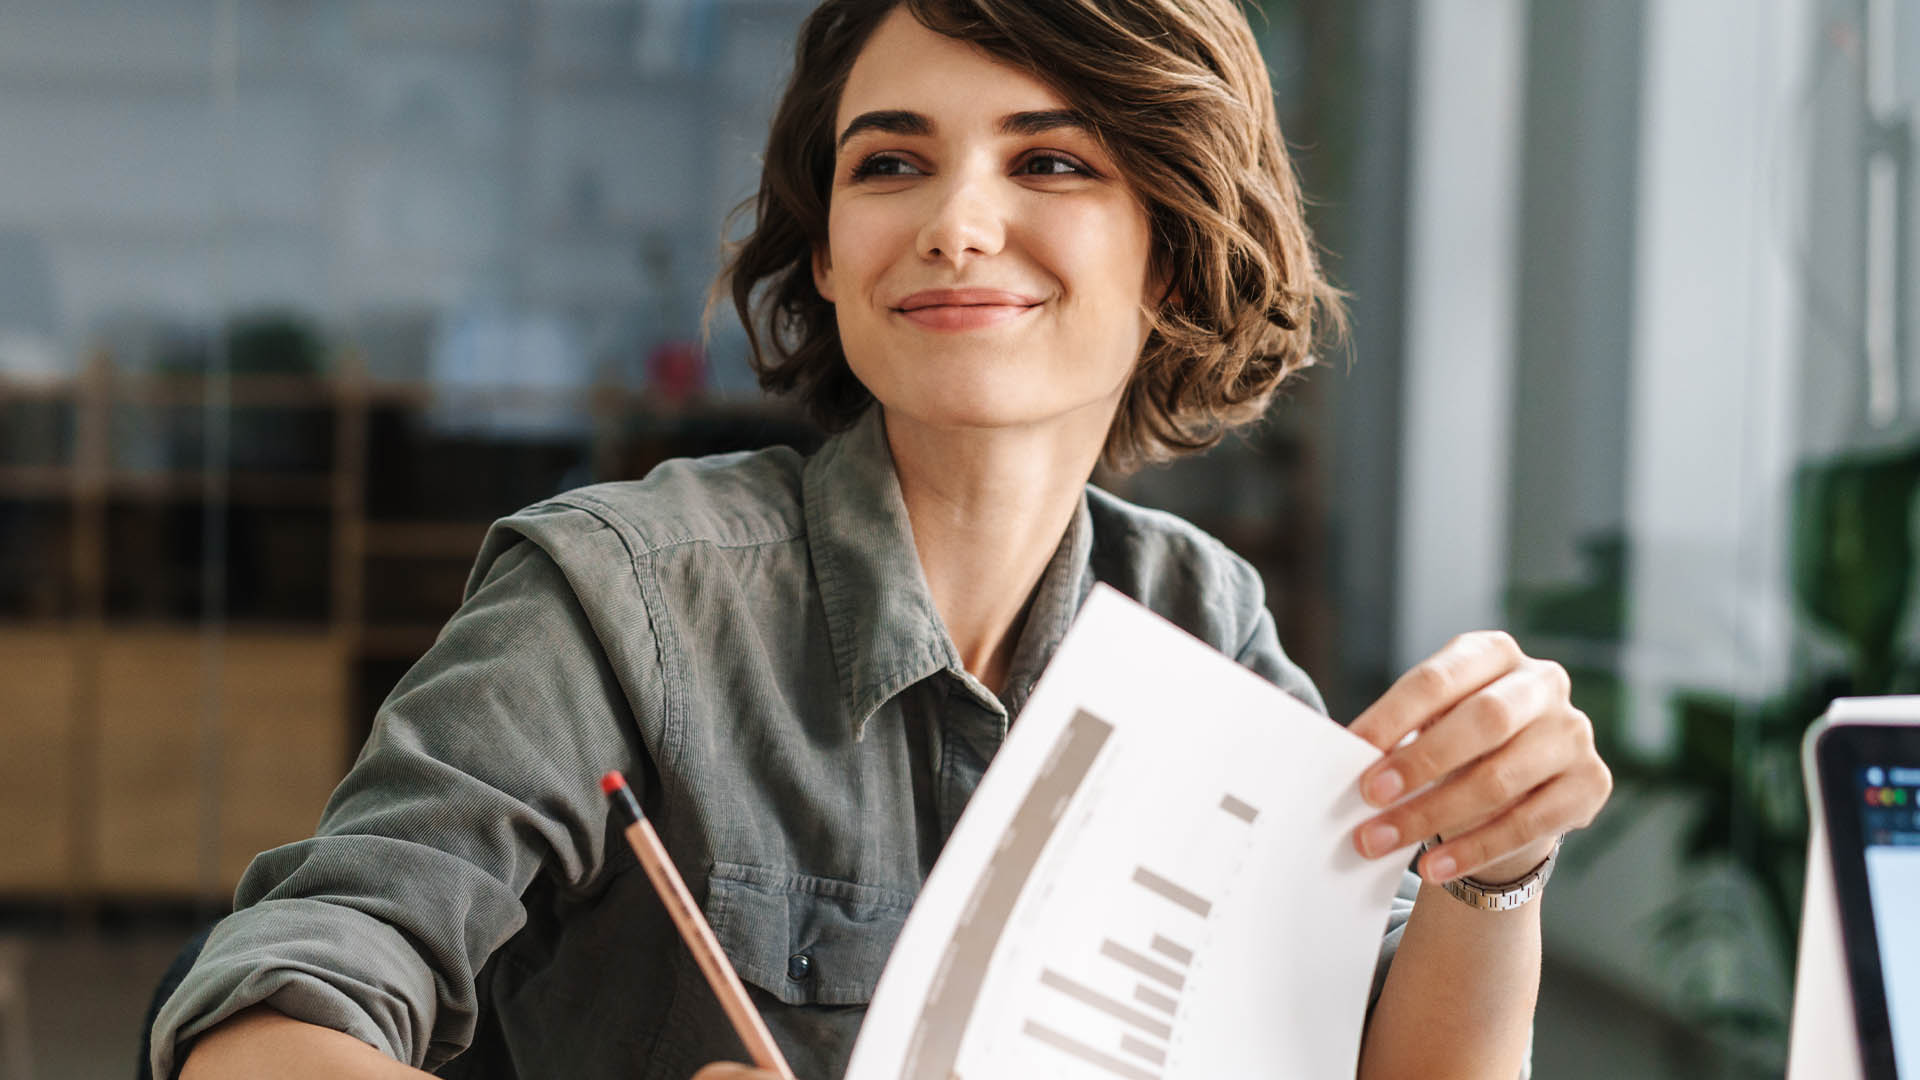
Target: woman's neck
[(988, 508)]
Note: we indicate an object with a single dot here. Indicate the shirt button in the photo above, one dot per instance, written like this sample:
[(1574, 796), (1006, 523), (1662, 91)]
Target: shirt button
[(799, 966)]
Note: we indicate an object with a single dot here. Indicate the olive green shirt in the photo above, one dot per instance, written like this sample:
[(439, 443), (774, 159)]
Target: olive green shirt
[(750, 638)]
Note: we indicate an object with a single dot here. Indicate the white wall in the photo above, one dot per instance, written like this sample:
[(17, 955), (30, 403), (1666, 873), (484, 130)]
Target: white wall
[(1716, 351), (1460, 295)]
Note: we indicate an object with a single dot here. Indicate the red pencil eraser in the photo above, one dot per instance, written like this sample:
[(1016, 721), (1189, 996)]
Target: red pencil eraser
[(612, 782)]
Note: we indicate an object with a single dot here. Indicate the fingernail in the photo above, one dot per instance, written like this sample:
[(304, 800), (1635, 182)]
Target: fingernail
[(1379, 837), (1384, 787), (1440, 868)]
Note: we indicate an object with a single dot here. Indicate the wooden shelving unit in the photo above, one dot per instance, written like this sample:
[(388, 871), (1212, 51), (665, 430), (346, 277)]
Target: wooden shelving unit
[(150, 746)]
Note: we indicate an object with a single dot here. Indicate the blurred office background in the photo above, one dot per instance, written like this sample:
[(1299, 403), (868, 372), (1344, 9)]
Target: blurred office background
[(296, 295)]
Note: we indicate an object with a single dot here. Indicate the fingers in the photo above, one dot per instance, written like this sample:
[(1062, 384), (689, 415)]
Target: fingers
[(728, 1070), (1494, 783), (1434, 685), (1472, 729), (1503, 764), (1550, 811)]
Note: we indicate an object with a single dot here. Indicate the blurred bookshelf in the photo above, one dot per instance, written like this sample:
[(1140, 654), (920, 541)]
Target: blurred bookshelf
[(208, 584), (199, 619)]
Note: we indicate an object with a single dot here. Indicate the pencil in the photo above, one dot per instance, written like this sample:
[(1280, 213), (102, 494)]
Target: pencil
[(694, 929)]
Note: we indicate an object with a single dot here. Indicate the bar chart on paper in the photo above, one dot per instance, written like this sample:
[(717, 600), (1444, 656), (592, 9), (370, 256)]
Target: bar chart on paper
[(1121, 901), (1157, 976)]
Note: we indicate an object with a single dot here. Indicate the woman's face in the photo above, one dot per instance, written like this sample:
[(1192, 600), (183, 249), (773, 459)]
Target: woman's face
[(986, 262)]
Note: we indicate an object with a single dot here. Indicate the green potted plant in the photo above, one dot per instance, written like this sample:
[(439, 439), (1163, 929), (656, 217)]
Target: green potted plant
[(1852, 565)]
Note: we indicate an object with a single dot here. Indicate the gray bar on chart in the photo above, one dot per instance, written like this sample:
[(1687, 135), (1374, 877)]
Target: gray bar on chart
[(1154, 882), (1159, 1029), (1088, 1054), (1147, 995), (1142, 1048), (1179, 954), (1239, 808), (935, 1044), (1159, 973)]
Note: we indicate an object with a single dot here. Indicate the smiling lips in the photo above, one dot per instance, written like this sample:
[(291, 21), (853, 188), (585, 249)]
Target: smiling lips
[(964, 309)]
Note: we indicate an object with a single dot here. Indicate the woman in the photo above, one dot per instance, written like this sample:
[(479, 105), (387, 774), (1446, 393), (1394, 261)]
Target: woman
[(996, 239)]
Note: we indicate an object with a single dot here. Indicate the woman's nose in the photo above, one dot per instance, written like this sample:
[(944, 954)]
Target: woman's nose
[(968, 220)]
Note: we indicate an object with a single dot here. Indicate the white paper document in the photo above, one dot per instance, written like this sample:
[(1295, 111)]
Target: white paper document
[(1155, 879)]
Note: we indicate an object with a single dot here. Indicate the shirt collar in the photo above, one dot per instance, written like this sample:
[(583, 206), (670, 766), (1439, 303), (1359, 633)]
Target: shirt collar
[(886, 633), (1063, 587)]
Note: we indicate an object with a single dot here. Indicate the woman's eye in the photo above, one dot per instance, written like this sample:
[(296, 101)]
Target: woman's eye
[(1053, 165), (881, 165)]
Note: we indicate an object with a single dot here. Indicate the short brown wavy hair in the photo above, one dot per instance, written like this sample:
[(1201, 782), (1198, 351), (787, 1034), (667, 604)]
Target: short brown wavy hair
[(1176, 92)]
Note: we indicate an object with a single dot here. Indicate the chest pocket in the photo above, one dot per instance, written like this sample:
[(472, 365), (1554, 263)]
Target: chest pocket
[(805, 940)]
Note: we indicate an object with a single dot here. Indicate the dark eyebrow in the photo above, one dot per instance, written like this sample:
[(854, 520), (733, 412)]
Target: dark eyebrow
[(1042, 120), (905, 122), (897, 121)]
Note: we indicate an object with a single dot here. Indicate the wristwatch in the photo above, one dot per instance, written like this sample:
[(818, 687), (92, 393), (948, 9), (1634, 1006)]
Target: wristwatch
[(1502, 897)]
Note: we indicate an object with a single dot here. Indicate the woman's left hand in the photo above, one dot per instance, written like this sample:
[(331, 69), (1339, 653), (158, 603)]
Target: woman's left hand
[(1510, 761)]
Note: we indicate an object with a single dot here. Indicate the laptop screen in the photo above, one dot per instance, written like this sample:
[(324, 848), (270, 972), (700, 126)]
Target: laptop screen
[(1889, 802)]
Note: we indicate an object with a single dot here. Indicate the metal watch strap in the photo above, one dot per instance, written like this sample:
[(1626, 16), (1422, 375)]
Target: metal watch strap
[(1500, 897)]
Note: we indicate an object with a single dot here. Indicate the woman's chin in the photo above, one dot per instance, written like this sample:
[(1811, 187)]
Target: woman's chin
[(992, 393)]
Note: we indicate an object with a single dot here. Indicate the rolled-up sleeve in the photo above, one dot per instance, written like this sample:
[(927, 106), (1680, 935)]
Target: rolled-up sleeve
[(478, 775)]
